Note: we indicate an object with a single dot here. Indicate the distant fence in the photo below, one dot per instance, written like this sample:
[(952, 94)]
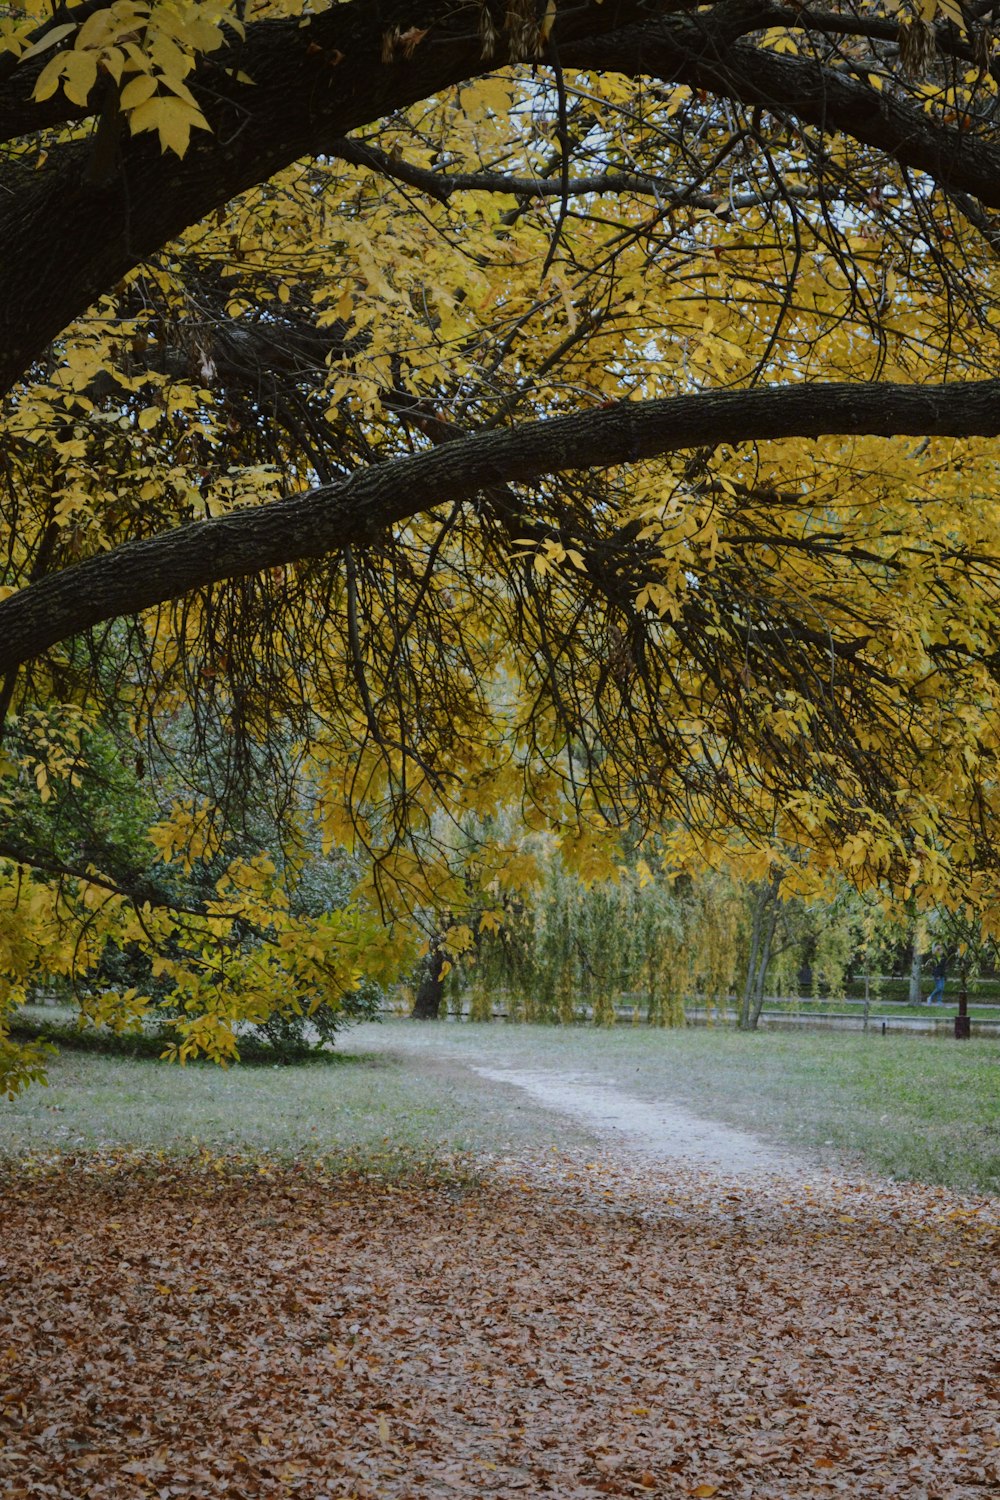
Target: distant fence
[(632, 1010)]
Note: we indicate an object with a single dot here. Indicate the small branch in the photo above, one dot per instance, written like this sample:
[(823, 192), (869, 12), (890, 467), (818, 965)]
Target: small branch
[(441, 185)]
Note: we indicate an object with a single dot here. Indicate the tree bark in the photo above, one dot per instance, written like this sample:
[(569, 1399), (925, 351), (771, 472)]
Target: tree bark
[(770, 926), (915, 967), (763, 923), (756, 921)]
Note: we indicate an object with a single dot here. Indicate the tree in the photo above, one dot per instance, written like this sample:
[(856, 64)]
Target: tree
[(512, 406)]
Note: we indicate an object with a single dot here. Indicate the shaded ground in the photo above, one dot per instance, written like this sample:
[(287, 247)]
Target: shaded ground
[(567, 1327)]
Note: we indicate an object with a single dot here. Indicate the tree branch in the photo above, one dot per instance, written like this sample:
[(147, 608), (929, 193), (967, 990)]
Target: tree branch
[(700, 51), (63, 242), (441, 185), (355, 511)]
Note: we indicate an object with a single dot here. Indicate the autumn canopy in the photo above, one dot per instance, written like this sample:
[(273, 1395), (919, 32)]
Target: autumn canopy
[(468, 418)]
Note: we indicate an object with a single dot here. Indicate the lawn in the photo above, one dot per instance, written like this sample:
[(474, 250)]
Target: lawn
[(910, 1107), (359, 1103), (914, 1107)]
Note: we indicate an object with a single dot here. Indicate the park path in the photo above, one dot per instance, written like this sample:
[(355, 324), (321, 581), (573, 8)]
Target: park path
[(663, 1131), (643, 1130)]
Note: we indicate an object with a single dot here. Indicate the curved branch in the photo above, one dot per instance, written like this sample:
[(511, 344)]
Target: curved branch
[(355, 511), (64, 241)]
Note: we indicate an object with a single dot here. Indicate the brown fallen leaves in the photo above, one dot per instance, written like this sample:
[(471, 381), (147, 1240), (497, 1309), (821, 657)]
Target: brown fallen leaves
[(565, 1329)]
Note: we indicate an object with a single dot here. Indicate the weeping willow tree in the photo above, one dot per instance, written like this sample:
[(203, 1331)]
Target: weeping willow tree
[(652, 944), (577, 950)]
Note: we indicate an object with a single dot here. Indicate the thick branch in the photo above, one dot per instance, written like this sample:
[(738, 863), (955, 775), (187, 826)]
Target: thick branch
[(355, 511), (63, 242)]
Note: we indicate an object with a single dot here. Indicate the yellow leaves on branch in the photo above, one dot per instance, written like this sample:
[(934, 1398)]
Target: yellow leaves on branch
[(550, 556), (147, 51), (188, 834)]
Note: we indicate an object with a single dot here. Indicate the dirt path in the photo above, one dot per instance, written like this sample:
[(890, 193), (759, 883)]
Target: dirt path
[(665, 1131)]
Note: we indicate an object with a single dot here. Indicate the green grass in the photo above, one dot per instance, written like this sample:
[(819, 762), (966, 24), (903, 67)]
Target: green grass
[(926, 1108), (355, 1103)]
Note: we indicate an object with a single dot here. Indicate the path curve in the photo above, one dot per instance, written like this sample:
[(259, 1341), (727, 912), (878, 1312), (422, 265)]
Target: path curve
[(661, 1129)]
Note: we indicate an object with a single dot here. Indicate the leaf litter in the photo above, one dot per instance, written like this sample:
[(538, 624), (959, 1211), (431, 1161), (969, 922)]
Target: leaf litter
[(563, 1324)]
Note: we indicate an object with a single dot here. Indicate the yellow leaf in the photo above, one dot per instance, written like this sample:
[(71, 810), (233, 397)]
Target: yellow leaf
[(48, 79), (113, 62), (96, 30), (181, 90), (172, 119), (81, 75), (137, 91), (547, 22), (48, 40), (169, 58), (149, 417)]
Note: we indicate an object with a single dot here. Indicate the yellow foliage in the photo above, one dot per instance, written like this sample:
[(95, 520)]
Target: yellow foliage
[(782, 651)]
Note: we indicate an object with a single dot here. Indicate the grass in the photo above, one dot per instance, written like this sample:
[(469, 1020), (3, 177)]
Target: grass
[(911, 1107), (357, 1104)]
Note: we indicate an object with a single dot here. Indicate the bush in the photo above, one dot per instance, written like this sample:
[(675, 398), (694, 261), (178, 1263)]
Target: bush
[(293, 1034)]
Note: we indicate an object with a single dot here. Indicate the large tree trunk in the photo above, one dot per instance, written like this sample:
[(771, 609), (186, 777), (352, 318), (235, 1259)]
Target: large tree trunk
[(430, 990)]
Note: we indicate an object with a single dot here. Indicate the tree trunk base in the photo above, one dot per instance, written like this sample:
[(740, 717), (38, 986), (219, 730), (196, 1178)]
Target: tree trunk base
[(430, 990)]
